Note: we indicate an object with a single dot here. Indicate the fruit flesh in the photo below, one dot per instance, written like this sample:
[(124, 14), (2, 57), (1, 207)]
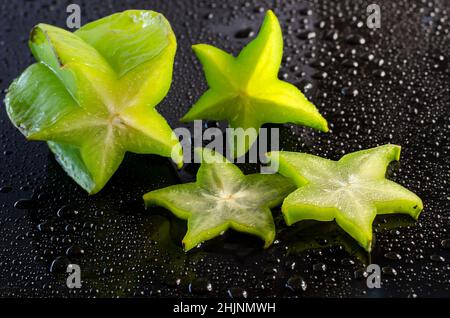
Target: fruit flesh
[(222, 198), (351, 191), (246, 91), (92, 94)]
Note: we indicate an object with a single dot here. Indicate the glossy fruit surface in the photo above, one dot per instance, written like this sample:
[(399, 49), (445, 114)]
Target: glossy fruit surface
[(246, 91), (92, 93), (222, 198), (351, 191)]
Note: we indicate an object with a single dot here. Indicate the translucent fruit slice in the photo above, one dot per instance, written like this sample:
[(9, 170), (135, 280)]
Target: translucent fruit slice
[(92, 94), (246, 91), (351, 191), (222, 198)]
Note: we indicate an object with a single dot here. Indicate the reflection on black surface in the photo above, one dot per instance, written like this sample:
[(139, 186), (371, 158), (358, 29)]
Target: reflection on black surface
[(391, 89), (320, 235)]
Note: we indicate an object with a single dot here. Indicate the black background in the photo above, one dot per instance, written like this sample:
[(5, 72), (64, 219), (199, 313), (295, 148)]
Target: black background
[(396, 92)]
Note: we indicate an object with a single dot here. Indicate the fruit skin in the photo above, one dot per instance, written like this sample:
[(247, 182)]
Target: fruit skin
[(92, 94), (246, 91), (351, 191), (222, 198)]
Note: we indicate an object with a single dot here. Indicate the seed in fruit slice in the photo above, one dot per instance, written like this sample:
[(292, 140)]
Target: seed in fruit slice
[(222, 198), (92, 94), (246, 91), (351, 191)]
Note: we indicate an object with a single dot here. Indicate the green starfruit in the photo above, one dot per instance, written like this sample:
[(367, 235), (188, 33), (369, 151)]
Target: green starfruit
[(351, 191), (246, 91), (222, 198), (92, 93)]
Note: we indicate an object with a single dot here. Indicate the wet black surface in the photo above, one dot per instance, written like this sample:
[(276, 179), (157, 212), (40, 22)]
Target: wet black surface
[(373, 86)]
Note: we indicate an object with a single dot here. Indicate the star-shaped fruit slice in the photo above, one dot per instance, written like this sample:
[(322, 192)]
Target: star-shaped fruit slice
[(351, 191), (222, 198), (246, 91), (92, 94)]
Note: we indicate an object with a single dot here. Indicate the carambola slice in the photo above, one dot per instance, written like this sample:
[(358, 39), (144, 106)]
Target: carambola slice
[(351, 191), (222, 198), (92, 94), (246, 91)]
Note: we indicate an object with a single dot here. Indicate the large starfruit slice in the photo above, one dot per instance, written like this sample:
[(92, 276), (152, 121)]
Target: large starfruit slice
[(92, 93)]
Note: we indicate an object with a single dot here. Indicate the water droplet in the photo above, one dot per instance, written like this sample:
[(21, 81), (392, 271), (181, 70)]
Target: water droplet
[(317, 64), (307, 35), (200, 286), (437, 258), (59, 265), (245, 33), (350, 91), (445, 244), (296, 283), (5, 189), (332, 35), (379, 73), (350, 63), (45, 227), (304, 86), (237, 292), (305, 11), (347, 262), (67, 211), (320, 75), (360, 273), (74, 251), (26, 204), (319, 267), (393, 256), (389, 271), (355, 39)]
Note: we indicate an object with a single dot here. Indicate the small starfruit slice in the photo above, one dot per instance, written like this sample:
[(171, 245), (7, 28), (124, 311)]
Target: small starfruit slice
[(222, 198)]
